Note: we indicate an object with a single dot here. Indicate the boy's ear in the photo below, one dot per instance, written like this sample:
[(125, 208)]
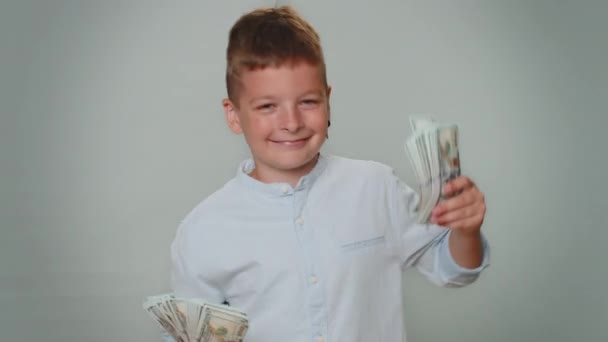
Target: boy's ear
[(328, 105), (232, 117)]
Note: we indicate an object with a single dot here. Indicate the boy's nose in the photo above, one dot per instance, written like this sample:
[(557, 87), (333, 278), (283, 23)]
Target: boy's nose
[(292, 120)]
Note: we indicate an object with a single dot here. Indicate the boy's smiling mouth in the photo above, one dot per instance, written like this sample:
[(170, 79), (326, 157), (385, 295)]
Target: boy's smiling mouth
[(290, 143)]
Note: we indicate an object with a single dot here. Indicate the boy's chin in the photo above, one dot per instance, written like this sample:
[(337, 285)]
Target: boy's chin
[(296, 163)]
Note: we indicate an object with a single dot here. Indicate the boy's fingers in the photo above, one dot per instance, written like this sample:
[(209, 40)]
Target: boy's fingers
[(462, 200), (471, 223), (457, 184), (456, 215)]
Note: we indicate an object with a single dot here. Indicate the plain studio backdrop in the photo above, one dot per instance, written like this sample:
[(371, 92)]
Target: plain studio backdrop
[(112, 130)]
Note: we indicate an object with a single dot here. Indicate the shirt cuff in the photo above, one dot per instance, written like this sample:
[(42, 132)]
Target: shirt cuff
[(453, 274)]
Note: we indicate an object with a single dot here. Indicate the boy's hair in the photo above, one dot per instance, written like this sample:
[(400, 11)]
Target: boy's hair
[(270, 37)]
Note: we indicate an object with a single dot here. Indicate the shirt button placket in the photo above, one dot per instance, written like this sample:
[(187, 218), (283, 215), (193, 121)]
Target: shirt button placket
[(310, 251)]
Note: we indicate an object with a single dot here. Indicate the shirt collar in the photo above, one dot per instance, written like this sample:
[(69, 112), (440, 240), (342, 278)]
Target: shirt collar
[(278, 189)]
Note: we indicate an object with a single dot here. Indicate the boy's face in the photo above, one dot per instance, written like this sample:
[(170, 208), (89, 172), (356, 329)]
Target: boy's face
[(283, 113)]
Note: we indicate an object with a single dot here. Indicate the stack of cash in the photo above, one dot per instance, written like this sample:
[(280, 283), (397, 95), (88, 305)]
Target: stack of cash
[(191, 319), (433, 152)]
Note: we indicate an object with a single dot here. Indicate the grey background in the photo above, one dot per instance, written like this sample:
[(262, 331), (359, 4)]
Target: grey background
[(112, 130)]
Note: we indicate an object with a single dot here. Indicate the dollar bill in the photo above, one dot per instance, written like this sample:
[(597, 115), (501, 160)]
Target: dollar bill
[(222, 326), (195, 320), (433, 152), (447, 138)]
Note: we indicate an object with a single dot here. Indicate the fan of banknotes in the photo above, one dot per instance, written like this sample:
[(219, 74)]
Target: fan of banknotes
[(433, 151), (195, 320)]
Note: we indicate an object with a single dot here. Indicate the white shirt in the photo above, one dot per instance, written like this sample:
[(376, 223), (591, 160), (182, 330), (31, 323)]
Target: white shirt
[(319, 262)]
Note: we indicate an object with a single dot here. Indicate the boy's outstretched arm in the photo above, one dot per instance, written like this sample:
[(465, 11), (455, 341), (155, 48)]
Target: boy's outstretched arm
[(464, 214)]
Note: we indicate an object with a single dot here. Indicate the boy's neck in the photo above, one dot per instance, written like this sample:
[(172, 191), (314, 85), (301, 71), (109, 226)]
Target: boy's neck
[(292, 177)]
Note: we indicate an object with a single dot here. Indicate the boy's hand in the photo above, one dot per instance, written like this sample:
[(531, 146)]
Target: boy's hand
[(465, 211)]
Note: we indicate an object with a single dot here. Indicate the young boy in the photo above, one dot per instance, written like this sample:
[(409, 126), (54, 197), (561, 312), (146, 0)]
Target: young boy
[(312, 247)]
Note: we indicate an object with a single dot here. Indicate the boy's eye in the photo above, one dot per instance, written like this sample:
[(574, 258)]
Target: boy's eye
[(310, 102), (265, 106)]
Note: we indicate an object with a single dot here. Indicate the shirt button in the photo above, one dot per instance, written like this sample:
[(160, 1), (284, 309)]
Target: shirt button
[(284, 189), (300, 221), (313, 280)]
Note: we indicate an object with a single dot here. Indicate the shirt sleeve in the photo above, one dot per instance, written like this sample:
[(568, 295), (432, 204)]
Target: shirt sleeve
[(188, 278), (454, 275)]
